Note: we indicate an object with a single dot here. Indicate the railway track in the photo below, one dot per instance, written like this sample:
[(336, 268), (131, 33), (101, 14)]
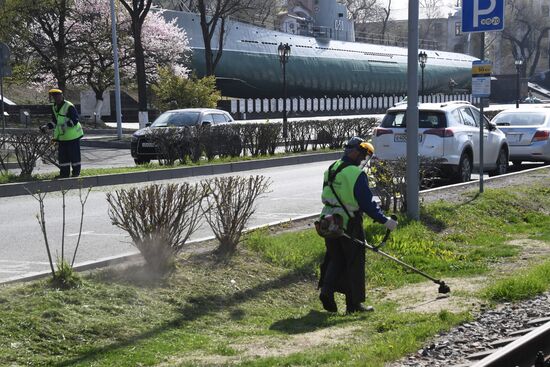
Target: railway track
[(529, 347)]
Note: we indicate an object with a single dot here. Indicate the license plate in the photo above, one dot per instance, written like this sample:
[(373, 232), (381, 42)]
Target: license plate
[(402, 138), (513, 138), (147, 145)]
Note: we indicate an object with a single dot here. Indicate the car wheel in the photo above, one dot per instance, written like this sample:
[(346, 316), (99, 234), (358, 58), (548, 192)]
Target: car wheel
[(464, 172), (139, 161), (502, 164)]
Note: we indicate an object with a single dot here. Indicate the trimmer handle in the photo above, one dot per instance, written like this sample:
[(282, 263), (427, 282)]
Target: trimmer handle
[(386, 236)]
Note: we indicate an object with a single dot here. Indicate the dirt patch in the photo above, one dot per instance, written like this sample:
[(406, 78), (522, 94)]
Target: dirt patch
[(262, 347), (270, 347), (423, 297)]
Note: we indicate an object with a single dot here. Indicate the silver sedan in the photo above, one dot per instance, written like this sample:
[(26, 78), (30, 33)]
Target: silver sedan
[(528, 133)]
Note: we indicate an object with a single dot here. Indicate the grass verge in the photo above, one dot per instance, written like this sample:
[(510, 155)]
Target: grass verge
[(260, 308)]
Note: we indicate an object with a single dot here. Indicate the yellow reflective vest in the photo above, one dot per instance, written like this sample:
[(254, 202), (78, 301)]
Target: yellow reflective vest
[(343, 184), (62, 132)]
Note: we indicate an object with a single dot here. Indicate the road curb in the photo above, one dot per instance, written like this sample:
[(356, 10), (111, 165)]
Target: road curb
[(23, 188)]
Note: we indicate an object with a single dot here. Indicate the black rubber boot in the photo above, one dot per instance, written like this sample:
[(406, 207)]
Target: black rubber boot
[(359, 308), (328, 302)]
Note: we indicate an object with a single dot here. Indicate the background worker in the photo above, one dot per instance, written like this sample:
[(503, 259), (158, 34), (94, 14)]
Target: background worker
[(67, 132), (343, 269)]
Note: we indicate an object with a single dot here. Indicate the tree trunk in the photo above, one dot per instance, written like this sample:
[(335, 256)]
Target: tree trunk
[(140, 73), (97, 110)]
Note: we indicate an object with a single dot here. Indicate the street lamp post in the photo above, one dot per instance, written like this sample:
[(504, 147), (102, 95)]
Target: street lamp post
[(284, 54), (518, 63), (422, 58)]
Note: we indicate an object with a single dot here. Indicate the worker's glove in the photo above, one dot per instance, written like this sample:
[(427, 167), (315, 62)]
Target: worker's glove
[(48, 126), (54, 141), (390, 224)]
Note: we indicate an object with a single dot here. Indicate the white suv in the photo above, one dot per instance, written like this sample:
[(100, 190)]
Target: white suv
[(448, 131)]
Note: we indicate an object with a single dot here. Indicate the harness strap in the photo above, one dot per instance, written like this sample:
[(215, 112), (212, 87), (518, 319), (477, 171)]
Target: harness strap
[(330, 179)]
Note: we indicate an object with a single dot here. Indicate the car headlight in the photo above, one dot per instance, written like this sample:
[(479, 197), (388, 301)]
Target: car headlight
[(134, 139)]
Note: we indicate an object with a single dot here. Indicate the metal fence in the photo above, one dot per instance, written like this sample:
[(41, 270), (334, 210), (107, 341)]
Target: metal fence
[(253, 108)]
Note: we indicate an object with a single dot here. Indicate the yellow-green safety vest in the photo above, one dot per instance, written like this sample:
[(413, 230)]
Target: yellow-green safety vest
[(343, 184), (62, 132)]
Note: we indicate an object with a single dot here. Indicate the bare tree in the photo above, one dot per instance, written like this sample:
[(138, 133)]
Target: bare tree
[(28, 147), (386, 11), (213, 14), (39, 33), (525, 29), (374, 12), (363, 11), (138, 10), (431, 10)]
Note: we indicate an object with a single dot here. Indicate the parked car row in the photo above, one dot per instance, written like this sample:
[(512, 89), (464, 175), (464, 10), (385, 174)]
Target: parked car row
[(448, 132)]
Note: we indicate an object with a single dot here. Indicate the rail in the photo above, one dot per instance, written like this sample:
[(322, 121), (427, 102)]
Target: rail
[(532, 349)]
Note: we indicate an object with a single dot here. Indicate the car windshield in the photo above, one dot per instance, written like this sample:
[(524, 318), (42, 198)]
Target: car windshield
[(177, 118), (427, 119), (520, 119)]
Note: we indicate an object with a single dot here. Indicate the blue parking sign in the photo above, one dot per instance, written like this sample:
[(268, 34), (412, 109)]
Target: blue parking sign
[(482, 15)]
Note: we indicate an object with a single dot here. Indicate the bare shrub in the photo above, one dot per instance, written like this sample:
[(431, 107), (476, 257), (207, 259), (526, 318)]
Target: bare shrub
[(63, 274), (389, 179), (4, 153), (28, 148), (363, 127), (261, 139), (301, 136), (159, 219), (222, 140), (334, 133), (229, 205), (167, 144)]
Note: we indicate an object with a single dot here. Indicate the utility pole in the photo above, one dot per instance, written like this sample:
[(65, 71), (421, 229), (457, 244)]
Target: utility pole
[(412, 178)]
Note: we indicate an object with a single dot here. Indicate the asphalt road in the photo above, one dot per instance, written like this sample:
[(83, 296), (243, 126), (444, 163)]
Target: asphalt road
[(295, 191)]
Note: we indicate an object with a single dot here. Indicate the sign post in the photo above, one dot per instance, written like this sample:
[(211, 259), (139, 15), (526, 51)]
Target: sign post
[(5, 70), (481, 88), (482, 16)]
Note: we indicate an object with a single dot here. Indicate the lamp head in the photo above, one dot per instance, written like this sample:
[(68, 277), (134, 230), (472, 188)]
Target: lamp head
[(284, 52), (422, 58)]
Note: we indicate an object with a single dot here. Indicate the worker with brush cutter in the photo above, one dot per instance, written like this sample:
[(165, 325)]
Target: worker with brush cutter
[(67, 132), (346, 195)]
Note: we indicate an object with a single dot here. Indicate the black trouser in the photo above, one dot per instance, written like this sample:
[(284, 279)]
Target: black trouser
[(69, 156), (344, 267)]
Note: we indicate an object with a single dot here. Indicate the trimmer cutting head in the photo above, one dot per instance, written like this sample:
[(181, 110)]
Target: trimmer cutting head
[(443, 288)]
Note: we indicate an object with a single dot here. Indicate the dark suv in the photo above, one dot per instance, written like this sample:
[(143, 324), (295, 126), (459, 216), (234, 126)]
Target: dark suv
[(143, 150)]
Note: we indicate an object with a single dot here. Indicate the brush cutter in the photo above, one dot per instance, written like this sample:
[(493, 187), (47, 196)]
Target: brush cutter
[(443, 288)]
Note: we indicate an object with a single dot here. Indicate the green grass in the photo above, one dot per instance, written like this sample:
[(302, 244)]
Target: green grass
[(214, 312), (528, 284)]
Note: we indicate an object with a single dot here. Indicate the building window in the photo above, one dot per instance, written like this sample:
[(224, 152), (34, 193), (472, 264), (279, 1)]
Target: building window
[(457, 29)]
